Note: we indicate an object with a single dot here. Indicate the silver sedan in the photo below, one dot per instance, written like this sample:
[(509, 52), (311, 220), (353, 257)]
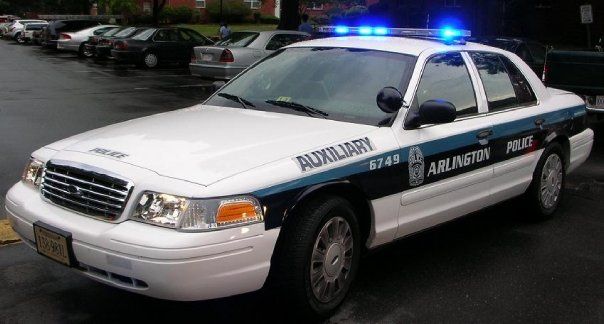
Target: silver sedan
[(229, 57), (75, 41)]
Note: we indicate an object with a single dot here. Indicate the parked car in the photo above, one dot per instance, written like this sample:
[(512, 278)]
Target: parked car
[(158, 45), (100, 46), (229, 57), (28, 32), (530, 51), (76, 41), (37, 37), (51, 33), (581, 72), (7, 18), (16, 27)]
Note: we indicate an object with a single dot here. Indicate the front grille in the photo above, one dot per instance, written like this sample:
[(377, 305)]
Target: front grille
[(85, 189)]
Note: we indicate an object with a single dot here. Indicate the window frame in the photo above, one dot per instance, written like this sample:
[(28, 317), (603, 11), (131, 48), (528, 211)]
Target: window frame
[(198, 6), (476, 87), (489, 112), (253, 4)]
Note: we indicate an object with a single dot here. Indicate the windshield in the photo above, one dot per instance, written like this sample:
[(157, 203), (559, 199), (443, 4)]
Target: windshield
[(239, 39), (145, 35), (341, 82), (125, 32)]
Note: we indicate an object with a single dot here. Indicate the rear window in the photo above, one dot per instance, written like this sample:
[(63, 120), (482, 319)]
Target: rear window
[(145, 35), (125, 32), (35, 26), (239, 39), (112, 32)]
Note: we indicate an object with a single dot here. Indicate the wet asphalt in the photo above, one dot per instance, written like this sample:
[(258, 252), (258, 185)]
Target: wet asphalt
[(492, 266)]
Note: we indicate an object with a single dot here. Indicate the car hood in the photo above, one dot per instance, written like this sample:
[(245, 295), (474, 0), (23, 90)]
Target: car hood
[(205, 144)]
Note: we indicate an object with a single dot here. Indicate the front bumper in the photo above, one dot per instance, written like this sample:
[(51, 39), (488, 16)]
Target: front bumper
[(151, 260), (215, 71)]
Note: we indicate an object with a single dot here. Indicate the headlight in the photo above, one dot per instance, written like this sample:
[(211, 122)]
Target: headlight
[(33, 172), (197, 214)]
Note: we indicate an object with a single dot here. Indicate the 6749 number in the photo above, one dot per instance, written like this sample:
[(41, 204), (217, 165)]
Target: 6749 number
[(384, 162)]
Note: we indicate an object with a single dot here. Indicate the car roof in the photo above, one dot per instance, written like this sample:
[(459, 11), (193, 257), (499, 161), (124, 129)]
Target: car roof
[(403, 45)]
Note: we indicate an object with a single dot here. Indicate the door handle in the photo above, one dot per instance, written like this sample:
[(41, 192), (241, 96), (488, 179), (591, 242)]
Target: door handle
[(539, 122), (484, 134)]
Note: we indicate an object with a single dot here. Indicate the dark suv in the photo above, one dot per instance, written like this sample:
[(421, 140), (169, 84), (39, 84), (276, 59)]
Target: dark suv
[(51, 33)]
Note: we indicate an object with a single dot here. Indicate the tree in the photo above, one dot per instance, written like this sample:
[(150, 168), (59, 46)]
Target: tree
[(119, 7), (158, 5)]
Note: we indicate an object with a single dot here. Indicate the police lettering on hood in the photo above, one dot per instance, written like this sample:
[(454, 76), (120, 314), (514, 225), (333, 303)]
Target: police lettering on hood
[(335, 153)]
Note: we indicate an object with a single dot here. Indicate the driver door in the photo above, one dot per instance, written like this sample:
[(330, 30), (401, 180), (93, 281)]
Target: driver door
[(448, 165)]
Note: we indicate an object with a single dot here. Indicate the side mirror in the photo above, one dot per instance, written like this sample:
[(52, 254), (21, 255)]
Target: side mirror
[(389, 99), (216, 85), (437, 112), (431, 112)]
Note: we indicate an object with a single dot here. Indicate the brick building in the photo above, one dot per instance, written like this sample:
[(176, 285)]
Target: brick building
[(265, 7)]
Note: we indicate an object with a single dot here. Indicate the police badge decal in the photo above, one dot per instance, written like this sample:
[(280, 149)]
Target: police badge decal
[(416, 166)]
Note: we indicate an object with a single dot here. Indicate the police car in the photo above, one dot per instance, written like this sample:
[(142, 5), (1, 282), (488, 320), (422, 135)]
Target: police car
[(289, 172)]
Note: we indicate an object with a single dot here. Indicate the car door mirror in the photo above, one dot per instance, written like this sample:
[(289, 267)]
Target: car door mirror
[(389, 99), (437, 112)]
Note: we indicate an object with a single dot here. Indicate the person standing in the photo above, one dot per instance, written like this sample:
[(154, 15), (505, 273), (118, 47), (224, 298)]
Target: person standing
[(224, 32), (305, 26)]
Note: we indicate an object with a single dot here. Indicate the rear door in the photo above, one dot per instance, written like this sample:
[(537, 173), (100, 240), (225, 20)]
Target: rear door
[(518, 123), (168, 44), (448, 165)]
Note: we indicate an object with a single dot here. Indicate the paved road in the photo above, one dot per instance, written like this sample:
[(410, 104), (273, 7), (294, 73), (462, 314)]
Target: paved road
[(488, 267)]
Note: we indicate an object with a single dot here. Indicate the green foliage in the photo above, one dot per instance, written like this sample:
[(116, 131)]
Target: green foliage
[(269, 19), (119, 7), (232, 10)]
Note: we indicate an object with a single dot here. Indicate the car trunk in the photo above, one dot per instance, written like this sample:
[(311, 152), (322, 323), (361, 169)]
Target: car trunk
[(209, 54)]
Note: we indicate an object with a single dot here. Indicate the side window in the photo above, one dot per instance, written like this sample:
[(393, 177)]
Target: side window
[(102, 30), (446, 77), (496, 81), (185, 36), (281, 40), (523, 90), (167, 35)]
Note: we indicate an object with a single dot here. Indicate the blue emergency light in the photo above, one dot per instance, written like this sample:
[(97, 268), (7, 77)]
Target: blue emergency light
[(447, 34)]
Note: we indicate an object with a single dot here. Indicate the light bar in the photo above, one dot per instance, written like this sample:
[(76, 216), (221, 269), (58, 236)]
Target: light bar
[(447, 33)]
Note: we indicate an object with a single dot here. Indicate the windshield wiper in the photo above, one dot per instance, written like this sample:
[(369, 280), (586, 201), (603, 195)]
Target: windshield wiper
[(238, 99), (298, 107)]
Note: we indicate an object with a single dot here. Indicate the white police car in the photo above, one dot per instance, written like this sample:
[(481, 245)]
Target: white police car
[(322, 150)]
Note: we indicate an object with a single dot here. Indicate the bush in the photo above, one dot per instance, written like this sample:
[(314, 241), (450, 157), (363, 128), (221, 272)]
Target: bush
[(176, 15), (257, 16), (232, 10), (141, 20), (269, 20)]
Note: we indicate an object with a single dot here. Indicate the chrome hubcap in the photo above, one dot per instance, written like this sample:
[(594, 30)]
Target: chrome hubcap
[(150, 60), (331, 259), (551, 181)]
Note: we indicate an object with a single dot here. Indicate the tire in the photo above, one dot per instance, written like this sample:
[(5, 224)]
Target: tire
[(16, 37), (547, 188), (84, 52), (150, 60), (20, 39), (293, 271)]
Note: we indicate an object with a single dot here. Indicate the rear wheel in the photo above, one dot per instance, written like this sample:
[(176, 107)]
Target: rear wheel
[(317, 257), (21, 39), (150, 60), (17, 36), (86, 52), (546, 190)]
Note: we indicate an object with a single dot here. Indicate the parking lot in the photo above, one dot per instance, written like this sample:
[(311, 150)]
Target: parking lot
[(491, 266)]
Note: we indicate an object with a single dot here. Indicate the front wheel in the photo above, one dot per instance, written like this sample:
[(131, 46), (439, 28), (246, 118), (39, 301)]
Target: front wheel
[(547, 188), (318, 256), (150, 60), (21, 39)]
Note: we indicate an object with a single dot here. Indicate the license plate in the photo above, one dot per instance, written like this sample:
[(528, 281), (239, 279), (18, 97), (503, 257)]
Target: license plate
[(599, 101), (206, 57), (53, 243)]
